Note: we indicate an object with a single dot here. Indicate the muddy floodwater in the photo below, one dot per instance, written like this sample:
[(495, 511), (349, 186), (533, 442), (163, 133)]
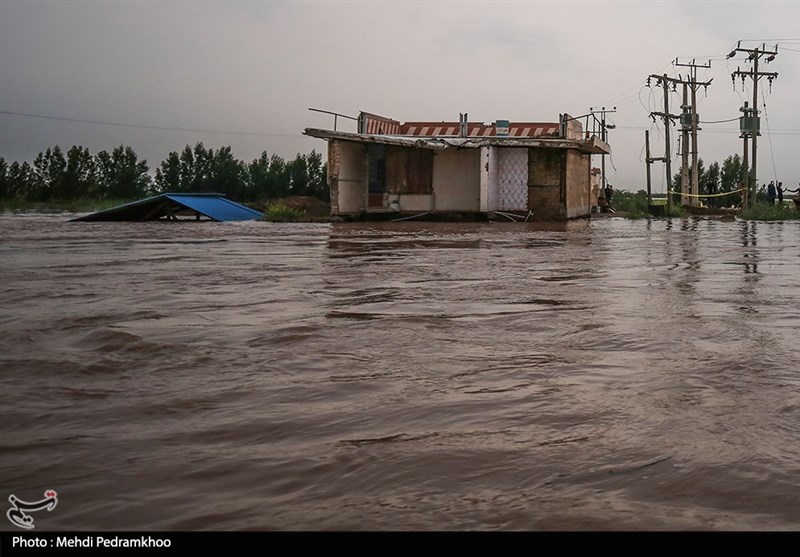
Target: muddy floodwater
[(592, 375)]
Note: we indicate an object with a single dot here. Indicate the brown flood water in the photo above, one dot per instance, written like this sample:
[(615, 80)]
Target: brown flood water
[(592, 375)]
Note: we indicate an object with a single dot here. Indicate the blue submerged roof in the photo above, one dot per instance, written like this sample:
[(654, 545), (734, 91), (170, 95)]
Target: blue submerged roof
[(173, 206)]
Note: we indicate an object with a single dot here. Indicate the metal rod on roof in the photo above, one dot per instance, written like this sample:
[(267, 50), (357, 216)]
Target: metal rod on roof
[(335, 116)]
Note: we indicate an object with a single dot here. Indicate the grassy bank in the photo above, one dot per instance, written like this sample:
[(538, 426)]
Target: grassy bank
[(763, 211), (663, 212), (297, 209), (280, 212), (634, 206)]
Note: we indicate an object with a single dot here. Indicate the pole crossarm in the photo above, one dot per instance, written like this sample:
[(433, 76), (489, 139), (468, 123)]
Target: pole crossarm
[(692, 64), (666, 78), (753, 51), (740, 73), (665, 115)]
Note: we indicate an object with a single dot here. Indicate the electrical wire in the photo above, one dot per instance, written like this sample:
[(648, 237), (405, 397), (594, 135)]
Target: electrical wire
[(632, 88), (792, 40), (769, 135), (146, 127), (719, 121)]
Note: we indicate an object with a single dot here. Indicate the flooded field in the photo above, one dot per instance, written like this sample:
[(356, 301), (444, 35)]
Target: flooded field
[(591, 375)]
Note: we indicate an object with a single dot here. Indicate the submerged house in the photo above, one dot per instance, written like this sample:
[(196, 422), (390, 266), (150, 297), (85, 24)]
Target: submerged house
[(176, 207), (541, 170)]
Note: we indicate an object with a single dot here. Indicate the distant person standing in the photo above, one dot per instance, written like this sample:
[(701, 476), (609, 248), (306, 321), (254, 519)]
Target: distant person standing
[(780, 193), (771, 193), (609, 193)]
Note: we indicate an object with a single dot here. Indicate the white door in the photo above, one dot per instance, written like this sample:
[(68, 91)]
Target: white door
[(512, 179)]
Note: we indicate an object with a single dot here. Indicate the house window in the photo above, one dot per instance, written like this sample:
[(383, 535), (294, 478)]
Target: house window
[(376, 157), (376, 154), (409, 170)]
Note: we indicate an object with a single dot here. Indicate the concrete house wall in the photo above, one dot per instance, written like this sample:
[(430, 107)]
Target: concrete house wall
[(346, 176), (488, 170), (457, 180), (577, 184), (545, 178)]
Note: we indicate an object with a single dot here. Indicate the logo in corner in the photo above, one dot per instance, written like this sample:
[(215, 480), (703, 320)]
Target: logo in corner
[(18, 513)]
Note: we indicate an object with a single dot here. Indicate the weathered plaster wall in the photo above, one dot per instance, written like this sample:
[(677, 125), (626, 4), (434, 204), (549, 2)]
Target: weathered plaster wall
[(457, 180)]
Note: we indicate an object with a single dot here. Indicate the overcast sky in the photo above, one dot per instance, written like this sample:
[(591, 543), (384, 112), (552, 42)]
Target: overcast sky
[(254, 68)]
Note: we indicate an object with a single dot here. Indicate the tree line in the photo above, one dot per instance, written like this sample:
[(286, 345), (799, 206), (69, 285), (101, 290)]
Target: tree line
[(717, 179), (58, 176)]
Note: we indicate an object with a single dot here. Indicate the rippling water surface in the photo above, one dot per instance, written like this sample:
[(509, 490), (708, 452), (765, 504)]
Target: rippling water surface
[(605, 374)]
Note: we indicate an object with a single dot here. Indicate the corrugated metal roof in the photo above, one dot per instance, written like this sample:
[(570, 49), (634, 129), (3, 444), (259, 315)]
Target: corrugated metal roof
[(210, 205), (217, 208)]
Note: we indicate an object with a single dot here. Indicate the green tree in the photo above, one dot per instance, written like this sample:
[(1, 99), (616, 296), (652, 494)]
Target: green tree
[(227, 174), (168, 175), (278, 177), (79, 175), (710, 185), (677, 181), (195, 169), (187, 169), (731, 177), (317, 177), (50, 167), (4, 183), (201, 172), (258, 177), (298, 175), (120, 175), (23, 181)]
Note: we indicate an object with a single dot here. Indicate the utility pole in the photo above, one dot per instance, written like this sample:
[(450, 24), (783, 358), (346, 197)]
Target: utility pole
[(604, 136), (649, 160), (745, 171), (754, 54), (685, 147), (664, 81), (695, 119), (647, 165)]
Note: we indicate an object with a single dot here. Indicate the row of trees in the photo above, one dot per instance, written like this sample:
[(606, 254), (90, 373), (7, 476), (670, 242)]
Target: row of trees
[(717, 179), (55, 176)]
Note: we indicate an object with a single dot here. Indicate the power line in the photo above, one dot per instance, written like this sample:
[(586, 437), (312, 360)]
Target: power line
[(146, 127), (793, 39), (769, 136), (720, 121), (776, 131), (611, 102)]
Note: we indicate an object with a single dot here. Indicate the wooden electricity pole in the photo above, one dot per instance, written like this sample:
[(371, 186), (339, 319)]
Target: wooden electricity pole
[(664, 81), (685, 147), (754, 55), (604, 136), (648, 161), (694, 120), (745, 170)]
